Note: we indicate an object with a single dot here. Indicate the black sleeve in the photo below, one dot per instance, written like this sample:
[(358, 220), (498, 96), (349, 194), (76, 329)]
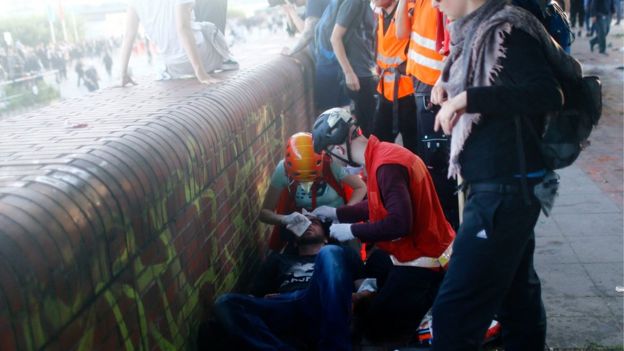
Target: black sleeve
[(528, 86), (348, 12), (265, 282)]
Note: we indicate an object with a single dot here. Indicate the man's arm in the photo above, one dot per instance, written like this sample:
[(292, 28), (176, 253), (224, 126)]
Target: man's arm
[(132, 26), (353, 213), (306, 36), (185, 33), (393, 182), (403, 22), (293, 17), (353, 83)]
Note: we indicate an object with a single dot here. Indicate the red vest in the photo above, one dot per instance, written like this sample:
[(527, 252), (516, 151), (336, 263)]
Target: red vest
[(430, 233)]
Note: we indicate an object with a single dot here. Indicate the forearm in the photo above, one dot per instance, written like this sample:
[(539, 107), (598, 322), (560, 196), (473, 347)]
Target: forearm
[(270, 217), (294, 18), (353, 213), (341, 54), (307, 36), (357, 196), (132, 26), (189, 44), (402, 20)]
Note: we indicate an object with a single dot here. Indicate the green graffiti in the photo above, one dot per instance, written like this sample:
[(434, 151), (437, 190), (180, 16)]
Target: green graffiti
[(242, 189)]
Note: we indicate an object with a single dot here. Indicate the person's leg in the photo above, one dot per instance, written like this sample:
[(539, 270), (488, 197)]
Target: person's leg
[(602, 28), (574, 13), (382, 122), (522, 315), (255, 322), (401, 302), (327, 301), (408, 125), (328, 90), (365, 102), (488, 251)]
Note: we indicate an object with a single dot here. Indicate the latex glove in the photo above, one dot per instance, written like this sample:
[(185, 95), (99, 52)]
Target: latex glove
[(325, 213), (341, 232)]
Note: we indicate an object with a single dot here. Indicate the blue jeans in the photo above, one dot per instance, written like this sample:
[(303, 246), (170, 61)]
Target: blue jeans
[(491, 272), (602, 29), (320, 314)]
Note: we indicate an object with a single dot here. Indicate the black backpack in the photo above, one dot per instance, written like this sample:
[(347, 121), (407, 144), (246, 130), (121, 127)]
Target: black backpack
[(566, 132)]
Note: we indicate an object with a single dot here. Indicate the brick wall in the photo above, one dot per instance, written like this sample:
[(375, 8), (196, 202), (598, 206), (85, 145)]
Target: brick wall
[(124, 213)]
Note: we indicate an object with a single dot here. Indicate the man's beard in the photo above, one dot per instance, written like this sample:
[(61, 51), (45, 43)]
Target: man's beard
[(310, 240)]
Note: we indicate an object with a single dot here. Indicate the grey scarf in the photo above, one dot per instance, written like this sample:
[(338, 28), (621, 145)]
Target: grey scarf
[(476, 51)]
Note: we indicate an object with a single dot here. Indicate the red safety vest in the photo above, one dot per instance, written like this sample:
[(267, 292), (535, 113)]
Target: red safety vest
[(287, 204), (430, 234)]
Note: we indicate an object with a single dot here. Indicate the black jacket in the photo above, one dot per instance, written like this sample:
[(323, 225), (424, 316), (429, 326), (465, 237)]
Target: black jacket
[(527, 87)]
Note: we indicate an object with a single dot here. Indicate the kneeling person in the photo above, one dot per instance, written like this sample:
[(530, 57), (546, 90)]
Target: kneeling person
[(404, 217)]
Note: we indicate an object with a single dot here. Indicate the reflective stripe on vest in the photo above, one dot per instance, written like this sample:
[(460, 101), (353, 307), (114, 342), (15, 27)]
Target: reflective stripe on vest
[(427, 262), (424, 62)]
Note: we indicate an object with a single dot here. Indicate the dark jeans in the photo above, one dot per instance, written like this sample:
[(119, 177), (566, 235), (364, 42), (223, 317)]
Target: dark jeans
[(602, 29), (365, 103), (407, 122), (329, 91), (577, 12), (491, 271), (405, 295), (434, 149), (319, 314)]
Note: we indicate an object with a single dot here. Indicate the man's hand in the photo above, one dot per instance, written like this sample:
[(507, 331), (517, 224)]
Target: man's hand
[(450, 113), (127, 80), (205, 78), (438, 94), (341, 232), (353, 83), (325, 213)]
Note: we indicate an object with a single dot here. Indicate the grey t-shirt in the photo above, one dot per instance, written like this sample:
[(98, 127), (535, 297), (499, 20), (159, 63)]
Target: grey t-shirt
[(358, 18)]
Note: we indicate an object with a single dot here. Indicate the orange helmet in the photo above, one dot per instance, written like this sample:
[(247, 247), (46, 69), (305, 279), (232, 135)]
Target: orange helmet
[(300, 161)]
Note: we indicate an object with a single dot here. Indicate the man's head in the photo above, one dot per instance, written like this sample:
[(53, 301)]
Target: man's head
[(333, 132), (315, 234)]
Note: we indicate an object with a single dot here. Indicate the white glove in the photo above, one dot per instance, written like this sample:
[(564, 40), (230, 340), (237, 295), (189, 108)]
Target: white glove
[(326, 213), (341, 232)]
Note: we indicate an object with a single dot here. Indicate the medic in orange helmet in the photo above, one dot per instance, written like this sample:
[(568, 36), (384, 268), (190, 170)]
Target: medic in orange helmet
[(305, 180)]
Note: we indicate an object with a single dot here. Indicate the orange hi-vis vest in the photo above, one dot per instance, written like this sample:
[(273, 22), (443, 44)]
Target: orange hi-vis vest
[(430, 234), (424, 62), (392, 53)]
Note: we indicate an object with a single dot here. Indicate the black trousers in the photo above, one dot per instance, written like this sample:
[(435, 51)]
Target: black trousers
[(404, 296), (408, 126), (577, 12), (364, 102), (491, 272)]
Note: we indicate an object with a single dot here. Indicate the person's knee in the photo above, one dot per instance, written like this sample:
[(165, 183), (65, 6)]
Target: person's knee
[(331, 252)]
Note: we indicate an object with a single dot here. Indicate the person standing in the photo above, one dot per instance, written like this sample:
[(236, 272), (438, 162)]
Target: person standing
[(601, 13), (396, 109), (499, 80), (420, 22), (352, 43)]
